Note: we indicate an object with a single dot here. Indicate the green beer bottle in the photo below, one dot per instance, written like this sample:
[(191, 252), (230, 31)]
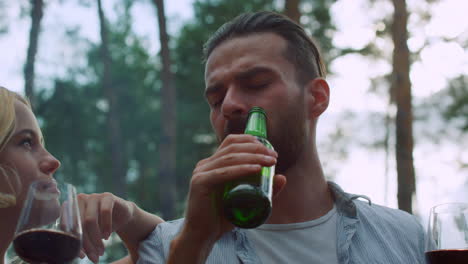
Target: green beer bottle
[(247, 202)]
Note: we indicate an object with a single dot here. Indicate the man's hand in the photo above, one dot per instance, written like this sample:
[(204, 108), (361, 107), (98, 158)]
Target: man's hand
[(238, 156), (102, 214)]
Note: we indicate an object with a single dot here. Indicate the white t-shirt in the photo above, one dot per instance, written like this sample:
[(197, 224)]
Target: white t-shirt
[(307, 242)]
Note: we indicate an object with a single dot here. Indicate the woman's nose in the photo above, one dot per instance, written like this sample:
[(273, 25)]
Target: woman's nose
[(49, 164)]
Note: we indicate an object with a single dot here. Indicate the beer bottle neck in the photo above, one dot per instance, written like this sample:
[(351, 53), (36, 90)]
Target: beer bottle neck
[(256, 125)]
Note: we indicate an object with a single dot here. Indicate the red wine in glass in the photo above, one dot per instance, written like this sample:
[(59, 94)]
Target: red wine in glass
[(45, 245), (49, 228), (447, 234), (449, 256)]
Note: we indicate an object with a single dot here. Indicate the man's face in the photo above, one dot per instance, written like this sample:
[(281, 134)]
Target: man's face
[(252, 71)]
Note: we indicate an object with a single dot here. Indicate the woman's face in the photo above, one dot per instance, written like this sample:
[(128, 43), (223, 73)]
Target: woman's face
[(25, 152)]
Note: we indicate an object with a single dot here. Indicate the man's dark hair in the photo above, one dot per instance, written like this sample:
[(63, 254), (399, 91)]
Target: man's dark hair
[(301, 50)]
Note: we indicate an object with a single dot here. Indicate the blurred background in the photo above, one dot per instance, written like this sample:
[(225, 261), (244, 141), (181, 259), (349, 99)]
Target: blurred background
[(117, 86)]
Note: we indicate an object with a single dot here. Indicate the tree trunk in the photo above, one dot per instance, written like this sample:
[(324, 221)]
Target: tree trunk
[(36, 17), (291, 9), (404, 117), (113, 122), (167, 144), (388, 122)]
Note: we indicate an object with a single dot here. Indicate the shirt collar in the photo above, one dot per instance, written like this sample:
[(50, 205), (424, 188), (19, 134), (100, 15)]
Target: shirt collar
[(344, 201)]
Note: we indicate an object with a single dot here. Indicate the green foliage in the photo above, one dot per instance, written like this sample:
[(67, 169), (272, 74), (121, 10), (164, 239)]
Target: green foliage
[(70, 121), (458, 109), (74, 116), (317, 21)]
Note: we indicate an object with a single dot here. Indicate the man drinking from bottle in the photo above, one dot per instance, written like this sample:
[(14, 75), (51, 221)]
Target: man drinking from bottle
[(264, 59)]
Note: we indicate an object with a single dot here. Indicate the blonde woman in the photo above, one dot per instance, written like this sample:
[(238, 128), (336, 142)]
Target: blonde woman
[(24, 159)]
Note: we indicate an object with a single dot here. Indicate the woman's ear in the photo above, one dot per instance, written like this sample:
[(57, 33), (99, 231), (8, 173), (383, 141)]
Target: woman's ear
[(318, 96)]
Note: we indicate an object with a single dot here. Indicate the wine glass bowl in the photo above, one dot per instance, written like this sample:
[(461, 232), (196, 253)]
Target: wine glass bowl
[(49, 227), (447, 236)]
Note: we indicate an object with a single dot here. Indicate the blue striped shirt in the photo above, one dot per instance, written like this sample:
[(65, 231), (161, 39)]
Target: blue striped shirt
[(366, 234)]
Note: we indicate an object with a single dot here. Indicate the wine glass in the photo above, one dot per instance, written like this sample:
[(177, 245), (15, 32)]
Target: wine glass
[(49, 227), (447, 236)]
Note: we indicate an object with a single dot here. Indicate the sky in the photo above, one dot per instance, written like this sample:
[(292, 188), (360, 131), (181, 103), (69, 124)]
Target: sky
[(439, 177)]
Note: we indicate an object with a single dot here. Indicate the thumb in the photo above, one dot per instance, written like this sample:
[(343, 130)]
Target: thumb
[(279, 181)]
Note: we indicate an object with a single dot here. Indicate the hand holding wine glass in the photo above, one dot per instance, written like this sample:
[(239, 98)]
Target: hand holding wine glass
[(49, 228), (447, 238), (105, 213)]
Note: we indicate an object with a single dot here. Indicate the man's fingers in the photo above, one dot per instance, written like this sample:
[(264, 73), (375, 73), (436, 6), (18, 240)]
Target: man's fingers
[(91, 220), (279, 181), (89, 249), (82, 206), (105, 219), (237, 138), (254, 146), (233, 159), (213, 178)]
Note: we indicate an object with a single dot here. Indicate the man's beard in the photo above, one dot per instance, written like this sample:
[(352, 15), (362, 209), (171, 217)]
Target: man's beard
[(288, 137)]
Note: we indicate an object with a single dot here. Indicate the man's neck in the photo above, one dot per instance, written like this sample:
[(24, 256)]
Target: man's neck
[(306, 195)]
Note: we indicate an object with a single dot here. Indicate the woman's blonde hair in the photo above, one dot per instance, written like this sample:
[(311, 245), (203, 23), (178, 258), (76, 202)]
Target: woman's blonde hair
[(7, 127), (7, 114)]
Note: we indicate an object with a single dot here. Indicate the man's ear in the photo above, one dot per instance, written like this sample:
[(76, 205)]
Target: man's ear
[(318, 96)]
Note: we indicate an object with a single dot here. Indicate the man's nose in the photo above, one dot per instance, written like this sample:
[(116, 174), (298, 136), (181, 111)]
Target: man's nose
[(234, 103)]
